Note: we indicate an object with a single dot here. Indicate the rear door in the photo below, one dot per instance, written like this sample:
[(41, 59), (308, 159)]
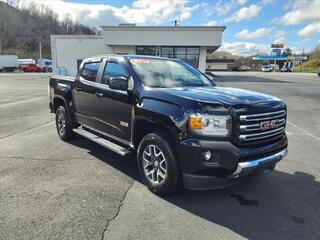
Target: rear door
[(113, 107), (84, 93)]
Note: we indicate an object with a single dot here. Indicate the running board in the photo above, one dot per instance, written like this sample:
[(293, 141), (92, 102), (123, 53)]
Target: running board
[(101, 141)]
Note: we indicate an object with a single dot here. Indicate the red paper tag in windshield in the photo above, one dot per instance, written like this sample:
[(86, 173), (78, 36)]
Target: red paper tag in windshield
[(139, 60)]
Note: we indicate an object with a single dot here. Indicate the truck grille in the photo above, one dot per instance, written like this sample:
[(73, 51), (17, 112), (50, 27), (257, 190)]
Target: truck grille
[(261, 126)]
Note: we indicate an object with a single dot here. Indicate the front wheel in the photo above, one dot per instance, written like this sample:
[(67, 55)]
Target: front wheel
[(158, 164), (63, 124)]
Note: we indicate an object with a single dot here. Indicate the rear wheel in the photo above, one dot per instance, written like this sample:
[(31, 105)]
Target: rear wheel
[(158, 164), (63, 124)]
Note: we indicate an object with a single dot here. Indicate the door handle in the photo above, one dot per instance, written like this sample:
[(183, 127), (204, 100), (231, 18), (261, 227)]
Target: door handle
[(99, 94), (78, 89)]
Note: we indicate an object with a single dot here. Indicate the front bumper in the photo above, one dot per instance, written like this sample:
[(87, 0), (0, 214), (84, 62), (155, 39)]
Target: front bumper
[(229, 165)]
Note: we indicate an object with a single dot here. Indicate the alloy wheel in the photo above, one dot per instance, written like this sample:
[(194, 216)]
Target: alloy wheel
[(61, 122), (154, 164)]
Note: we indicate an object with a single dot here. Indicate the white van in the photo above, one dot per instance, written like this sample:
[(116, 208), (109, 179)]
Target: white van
[(45, 64)]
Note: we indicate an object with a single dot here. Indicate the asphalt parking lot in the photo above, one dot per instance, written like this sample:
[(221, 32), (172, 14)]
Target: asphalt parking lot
[(50, 189)]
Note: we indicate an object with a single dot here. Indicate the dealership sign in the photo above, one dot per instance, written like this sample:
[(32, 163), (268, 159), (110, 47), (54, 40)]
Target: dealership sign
[(277, 45)]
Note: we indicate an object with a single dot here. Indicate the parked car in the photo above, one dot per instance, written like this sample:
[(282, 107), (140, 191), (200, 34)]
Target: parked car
[(32, 68), (241, 68), (26, 61), (266, 68), (275, 67), (8, 63), (244, 68), (319, 73), (184, 130), (46, 64)]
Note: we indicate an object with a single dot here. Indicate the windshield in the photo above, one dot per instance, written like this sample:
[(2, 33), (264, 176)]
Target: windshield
[(167, 73)]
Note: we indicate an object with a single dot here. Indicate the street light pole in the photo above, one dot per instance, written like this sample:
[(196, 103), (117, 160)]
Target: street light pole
[(302, 59), (40, 50), (1, 38)]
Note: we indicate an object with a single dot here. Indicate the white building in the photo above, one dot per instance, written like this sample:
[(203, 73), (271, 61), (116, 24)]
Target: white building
[(182, 42)]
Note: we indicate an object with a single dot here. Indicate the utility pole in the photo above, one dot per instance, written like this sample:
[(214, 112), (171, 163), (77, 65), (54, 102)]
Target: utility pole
[(40, 50), (1, 38), (302, 59)]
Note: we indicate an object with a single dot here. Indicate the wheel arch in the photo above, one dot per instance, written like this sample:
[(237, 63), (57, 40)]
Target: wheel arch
[(143, 126)]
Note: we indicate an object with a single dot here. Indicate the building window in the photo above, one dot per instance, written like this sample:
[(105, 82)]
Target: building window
[(167, 52), (146, 50), (187, 54)]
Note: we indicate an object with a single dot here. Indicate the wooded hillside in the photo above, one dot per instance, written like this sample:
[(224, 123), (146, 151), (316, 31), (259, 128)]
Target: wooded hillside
[(22, 29)]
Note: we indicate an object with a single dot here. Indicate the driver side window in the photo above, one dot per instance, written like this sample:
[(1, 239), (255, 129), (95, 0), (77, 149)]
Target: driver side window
[(113, 69)]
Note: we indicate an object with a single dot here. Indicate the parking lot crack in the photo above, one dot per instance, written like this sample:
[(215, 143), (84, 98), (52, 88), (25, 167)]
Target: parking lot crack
[(117, 212)]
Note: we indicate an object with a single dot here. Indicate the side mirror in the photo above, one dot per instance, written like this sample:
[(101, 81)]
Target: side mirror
[(118, 83)]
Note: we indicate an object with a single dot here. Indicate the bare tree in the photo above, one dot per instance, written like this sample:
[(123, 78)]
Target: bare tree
[(23, 26)]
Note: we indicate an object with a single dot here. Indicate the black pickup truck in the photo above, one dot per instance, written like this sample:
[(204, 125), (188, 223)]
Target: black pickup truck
[(185, 130)]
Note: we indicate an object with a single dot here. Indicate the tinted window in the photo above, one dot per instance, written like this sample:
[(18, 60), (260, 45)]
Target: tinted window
[(89, 71), (113, 70)]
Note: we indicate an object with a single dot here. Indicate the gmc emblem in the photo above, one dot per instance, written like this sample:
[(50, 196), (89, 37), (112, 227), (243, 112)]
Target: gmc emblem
[(268, 125)]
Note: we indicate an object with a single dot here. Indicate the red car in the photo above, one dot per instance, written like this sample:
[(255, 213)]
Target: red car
[(32, 68)]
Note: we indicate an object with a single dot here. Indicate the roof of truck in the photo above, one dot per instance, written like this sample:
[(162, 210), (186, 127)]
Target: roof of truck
[(121, 57)]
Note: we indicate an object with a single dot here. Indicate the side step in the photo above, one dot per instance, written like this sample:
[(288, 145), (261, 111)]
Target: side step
[(101, 141)]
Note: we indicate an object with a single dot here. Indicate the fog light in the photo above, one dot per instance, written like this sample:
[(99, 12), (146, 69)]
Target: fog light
[(206, 155)]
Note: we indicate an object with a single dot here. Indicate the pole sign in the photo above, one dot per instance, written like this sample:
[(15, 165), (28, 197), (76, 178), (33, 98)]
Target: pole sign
[(277, 45), (276, 49)]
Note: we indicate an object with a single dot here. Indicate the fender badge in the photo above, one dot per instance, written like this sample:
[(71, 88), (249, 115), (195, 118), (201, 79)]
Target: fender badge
[(124, 124)]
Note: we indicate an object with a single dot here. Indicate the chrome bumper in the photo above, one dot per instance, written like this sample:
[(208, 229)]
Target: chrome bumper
[(245, 168)]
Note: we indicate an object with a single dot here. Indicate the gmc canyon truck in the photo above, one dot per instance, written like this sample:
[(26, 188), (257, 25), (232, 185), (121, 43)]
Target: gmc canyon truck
[(185, 130)]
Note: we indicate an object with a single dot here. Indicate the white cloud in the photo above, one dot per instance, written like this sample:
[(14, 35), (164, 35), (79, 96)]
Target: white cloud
[(279, 34), (310, 29), (280, 40), (141, 12), (245, 13), (223, 7), (259, 33), (304, 12), (212, 23), (245, 48)]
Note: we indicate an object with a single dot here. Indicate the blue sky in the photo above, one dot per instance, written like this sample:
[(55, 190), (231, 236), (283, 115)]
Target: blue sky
[(251, 25)]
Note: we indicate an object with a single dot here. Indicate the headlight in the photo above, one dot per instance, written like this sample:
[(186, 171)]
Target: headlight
[(219, 125)]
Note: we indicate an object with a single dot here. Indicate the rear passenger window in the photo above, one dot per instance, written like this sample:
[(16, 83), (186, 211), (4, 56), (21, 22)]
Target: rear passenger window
[(89, 71), (113, 70)]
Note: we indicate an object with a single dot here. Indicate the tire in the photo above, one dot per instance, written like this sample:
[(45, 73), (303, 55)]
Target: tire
[(63, 124), (156, 154)]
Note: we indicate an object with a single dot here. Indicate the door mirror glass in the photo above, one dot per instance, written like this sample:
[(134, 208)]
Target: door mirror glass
[(118, 83)]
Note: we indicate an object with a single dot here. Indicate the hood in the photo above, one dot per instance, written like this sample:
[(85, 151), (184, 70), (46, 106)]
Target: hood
[(224, 95)]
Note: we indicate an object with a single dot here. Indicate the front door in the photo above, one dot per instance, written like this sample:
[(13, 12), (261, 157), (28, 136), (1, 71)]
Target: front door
[(113, 107), (84, 93)]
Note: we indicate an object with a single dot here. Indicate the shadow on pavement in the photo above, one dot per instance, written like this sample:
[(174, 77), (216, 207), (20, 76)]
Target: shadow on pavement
[(274, 206)]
